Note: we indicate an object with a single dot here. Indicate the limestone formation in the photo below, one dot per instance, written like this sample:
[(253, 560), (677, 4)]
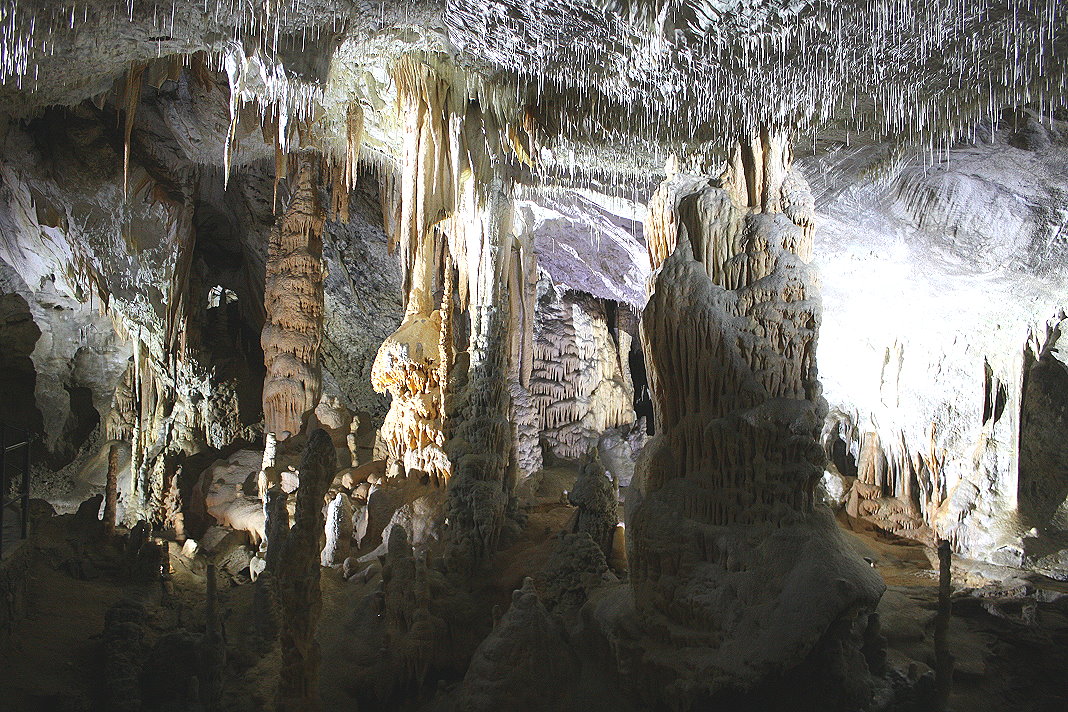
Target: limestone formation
[(338, 531), (580, 379), (352, 443), (111, 492), (406, 367), (123, 638), (482, 446), (297, 581), (224, 226), (576, 568), (231, 497), (523, 664), (413, 631), (724, 518), (595, 499), (408, 364), (293, 332)]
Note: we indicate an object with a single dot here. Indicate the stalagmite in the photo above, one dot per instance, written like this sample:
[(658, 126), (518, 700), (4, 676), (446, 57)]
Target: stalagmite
[(725, 502), (352, 443), (264, 567), (293, 332), (214, 646), (268, 476), (297, 581), (413, 632), (595, 499), (338, 531), (111, 491)]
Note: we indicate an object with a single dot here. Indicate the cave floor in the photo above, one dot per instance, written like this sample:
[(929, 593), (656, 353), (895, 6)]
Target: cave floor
[(1009, 637), (1008, 633)]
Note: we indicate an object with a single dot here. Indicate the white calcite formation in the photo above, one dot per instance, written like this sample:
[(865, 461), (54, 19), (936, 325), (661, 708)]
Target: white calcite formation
[(407, 368), (409, 365), (736, 575), (944, 303), (580, 381)]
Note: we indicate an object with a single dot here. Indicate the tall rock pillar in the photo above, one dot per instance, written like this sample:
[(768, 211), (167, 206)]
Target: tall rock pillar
[(293, 301)]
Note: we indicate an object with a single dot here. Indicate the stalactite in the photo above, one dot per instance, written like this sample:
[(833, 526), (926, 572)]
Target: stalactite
[(131, 98), (428, 173), (294, 303), (899, 488), (354, 120), (412, 364)]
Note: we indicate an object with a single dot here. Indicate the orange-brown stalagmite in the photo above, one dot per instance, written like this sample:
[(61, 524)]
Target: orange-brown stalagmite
[(294, 304)]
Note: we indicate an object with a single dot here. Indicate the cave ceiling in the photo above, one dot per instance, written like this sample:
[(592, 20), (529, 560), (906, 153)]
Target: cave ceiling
[(613, 87)]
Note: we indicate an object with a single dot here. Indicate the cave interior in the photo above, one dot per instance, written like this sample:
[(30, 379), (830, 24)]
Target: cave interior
[(491, 355)]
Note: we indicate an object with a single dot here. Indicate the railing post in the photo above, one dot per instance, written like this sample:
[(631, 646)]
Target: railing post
[(3, 485), (26, 485)]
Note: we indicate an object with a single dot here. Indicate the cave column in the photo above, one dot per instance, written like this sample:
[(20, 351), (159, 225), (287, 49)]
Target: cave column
[(483, 446), (293, 332)]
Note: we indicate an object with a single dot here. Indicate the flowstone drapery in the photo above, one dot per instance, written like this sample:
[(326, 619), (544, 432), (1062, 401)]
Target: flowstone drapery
[(456, 239)]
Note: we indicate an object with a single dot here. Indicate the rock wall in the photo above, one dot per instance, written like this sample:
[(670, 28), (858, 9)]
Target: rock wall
[(926, 381)]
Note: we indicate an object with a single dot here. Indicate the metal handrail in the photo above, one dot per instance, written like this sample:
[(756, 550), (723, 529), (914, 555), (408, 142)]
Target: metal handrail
[(24, 495)]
